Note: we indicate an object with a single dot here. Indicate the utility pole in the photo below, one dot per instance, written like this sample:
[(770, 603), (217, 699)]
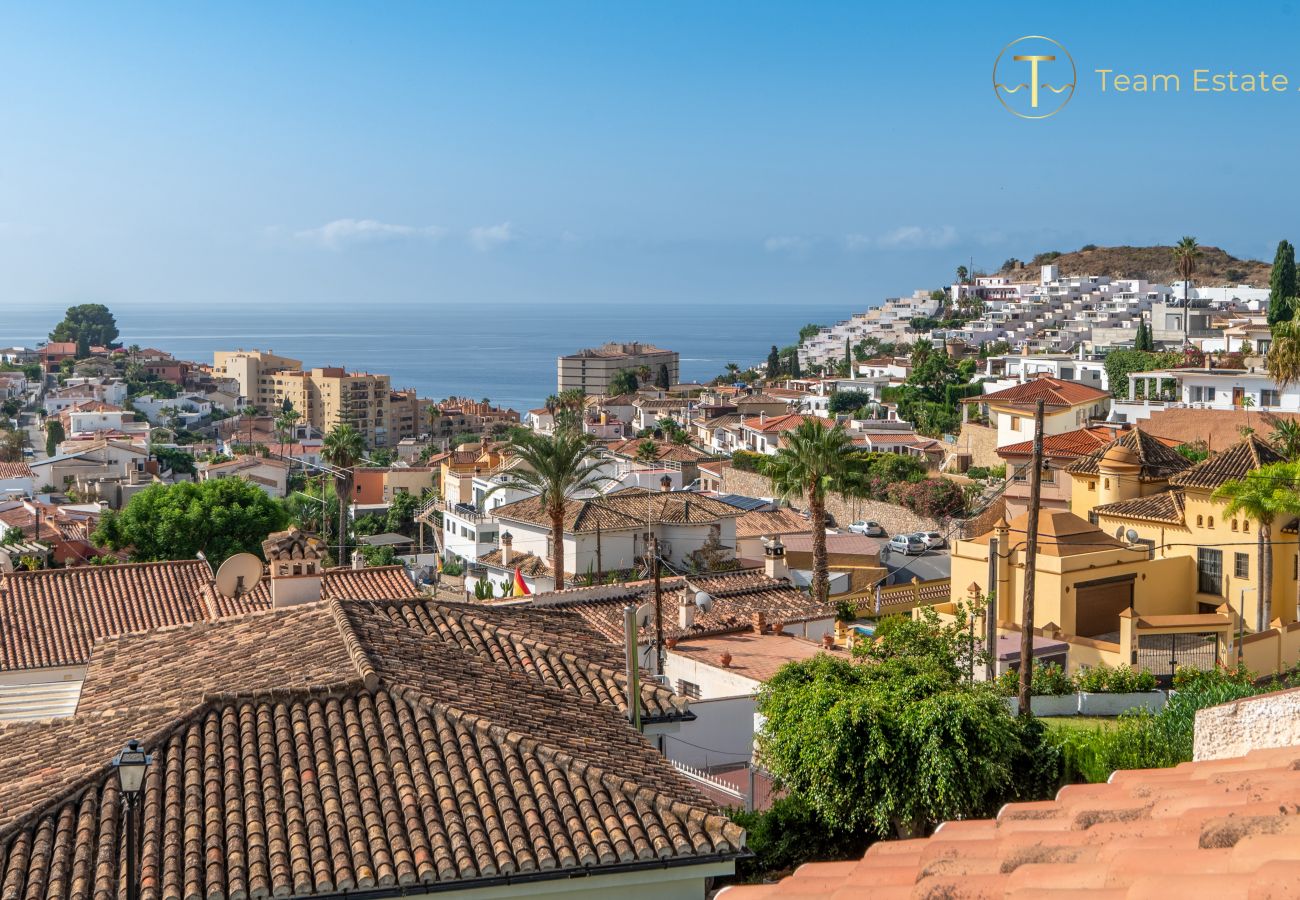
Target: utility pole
[(659, 605), (1031, 562), (991, 615)]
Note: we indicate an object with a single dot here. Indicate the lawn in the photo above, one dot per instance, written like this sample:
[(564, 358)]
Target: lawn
[(1079, 723)]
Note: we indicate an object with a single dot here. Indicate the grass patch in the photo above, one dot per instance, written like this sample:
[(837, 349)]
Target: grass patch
[(1079, 723)]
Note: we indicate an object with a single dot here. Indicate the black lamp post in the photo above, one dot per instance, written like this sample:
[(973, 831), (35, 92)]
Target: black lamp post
[(131, 762)]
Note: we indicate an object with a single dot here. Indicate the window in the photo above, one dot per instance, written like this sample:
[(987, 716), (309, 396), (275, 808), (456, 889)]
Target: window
[(1209, 523), (1209, 571), (1234, 524), (1200, 521), (1269, 397), (1015, 423), (1241, 566), (1209, 395), (688, 689)]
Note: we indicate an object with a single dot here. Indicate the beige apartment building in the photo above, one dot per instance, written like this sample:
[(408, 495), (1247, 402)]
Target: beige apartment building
[(593, 369), (247, 367)]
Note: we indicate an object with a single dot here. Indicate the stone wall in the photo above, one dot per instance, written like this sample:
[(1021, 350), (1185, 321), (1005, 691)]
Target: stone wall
[(980, 442), (894, 519), (1252, 723)]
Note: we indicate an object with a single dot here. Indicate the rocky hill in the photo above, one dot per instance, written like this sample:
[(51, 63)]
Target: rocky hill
[(1215, 267)]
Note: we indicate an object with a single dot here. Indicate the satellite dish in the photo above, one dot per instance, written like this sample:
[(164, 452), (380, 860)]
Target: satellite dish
[(703, 602), (1132, 536), (239, 575), (645, 615)]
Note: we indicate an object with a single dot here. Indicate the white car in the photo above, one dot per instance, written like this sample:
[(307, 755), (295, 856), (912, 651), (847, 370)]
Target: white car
[(933, 540), (907, 544), (870, 529)]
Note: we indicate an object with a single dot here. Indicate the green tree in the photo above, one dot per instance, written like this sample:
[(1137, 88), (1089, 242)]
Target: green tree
[(1282, 284), (1186, 255), (663, 380), (13, 535), (1283, 359), (220, 517), (773, 363), (179, 461), (557, 468), (899, 741), (91, 322), (1143, 340), (1263, 495), (54, 435), (401, 513), (284, 424), (647, 451), (623, 382), (11, 445), (815, 462), (343, 449), (807, 331)]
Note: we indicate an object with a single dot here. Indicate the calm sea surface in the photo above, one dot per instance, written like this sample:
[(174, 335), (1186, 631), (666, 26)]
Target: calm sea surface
[(503, 351)]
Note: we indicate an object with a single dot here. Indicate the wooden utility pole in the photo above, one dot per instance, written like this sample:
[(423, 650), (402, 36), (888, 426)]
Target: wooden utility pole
[(659, 605), (1031, 561)]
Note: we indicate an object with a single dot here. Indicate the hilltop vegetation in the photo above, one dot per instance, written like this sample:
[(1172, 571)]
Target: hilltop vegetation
[(1152, 263)]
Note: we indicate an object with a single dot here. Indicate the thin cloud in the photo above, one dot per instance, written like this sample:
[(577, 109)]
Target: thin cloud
[(914, 237), (487, 237), (791, 244), (347, 232)]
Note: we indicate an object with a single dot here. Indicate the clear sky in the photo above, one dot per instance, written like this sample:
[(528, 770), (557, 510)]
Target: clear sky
[(608, 151)]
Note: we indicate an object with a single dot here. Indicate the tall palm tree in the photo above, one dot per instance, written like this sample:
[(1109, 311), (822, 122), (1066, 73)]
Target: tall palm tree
[(284, 423), (557, 468), (250, 412), (432, 413), (1263, 495), (816, 461), (733, 370), (343, 449), (1186, 253)]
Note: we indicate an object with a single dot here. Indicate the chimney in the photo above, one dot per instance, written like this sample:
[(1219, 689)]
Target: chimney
[(507, 545), (686, 613), (296, 562), (759, 622), (358, 561), (665, 483), (774, 560)]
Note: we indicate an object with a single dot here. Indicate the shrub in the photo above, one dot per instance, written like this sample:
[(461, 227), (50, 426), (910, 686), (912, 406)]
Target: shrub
[(453, 567), (1104, 679), (1048, 681), (748, 461), (790, 834)]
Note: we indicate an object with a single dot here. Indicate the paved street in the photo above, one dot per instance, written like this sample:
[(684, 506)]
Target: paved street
[(930, 565)]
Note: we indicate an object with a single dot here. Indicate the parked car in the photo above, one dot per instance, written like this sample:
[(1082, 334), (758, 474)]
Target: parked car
[(933, 539), (870, 529), (907, 544)]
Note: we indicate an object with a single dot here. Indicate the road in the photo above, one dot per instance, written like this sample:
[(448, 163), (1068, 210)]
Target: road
[(928, 566)]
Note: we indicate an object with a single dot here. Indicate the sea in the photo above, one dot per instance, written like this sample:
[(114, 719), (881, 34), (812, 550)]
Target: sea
[(503, 351)]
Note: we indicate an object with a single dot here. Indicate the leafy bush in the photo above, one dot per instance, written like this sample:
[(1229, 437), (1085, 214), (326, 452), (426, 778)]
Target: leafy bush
[(935, 498), (987, 473), (453, 567), (788, 835), (1047, 681), (1104, 679), (748, 461)]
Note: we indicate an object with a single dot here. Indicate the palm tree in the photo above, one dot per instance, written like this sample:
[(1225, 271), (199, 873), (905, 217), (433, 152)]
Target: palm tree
[(1186, 253), (1248, 403), (552, 404), (733, 370), (1286, 438), (557, 468), (342, 449), (432, 413), (647, 451), (284, 423), (1263, 495), (249, 412), (816, 460), (1283, 358)]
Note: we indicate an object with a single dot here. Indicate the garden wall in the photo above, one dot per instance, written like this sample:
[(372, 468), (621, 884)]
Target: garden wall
[(1252, 723)]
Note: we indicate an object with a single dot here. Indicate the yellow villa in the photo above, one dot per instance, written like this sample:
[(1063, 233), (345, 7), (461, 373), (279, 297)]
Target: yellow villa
[(1145, 569)]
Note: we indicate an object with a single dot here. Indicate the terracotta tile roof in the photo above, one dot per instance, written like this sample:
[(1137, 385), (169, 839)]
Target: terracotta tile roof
[(15, 470), (529, 564), (1060, 533), (52, 617), (1231, 464), (631, 447), (737, 597), (787, 422), (1159, 461), (1166, 506), (1069, 445), (343, 583), (627, 508), (1054, 392), (361, 755), (1221, 828), (757, 523)]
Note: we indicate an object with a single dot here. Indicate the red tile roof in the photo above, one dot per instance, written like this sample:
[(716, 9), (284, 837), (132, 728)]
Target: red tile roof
[(787, 422), (15, 470), (1222, 829), (332, 748), (1054, 392), (1069, 445)]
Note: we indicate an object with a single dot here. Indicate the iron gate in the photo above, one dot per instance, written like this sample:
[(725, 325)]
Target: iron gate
[(1162, 654)]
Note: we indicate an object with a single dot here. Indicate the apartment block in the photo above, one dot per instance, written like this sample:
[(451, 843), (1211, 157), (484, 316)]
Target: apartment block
[(248, 367), (591, 370)]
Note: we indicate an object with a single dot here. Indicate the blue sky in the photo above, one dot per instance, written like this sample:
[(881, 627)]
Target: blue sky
[(608, 152)]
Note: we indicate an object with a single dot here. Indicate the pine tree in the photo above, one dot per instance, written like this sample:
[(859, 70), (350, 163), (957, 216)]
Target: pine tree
[(1282, 284), (773, 363), (1143, 340), (662, 379)]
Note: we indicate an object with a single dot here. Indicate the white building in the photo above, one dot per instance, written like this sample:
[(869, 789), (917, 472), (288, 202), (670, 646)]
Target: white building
[(1219, 389)]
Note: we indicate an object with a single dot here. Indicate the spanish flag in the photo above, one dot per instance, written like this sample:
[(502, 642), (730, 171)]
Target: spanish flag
[(439, 558), (520, 589)]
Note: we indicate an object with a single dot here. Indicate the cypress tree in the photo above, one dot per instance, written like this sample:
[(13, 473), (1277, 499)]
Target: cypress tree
[(773, 363), (662, 379), (1282, 284)]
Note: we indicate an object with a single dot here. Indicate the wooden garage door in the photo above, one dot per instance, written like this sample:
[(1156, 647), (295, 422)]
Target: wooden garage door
[(1097, 605)]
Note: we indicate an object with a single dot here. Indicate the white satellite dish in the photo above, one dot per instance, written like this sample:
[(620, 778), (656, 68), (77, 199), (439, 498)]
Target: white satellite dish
[(645, 615), (239, 575), (1132, 536)]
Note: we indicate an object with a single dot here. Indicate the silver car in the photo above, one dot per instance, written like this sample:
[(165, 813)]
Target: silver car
[(907, 544)]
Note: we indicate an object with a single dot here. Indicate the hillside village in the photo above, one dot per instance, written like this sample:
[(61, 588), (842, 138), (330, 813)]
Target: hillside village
[(375, 642)]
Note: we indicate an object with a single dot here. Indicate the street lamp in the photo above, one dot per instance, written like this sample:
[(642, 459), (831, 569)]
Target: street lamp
[(131, 762)]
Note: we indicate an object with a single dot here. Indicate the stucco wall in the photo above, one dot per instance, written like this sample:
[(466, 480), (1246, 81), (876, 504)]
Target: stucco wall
[(1254, 723), (722, 733), (981, 443), (894, 519)]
